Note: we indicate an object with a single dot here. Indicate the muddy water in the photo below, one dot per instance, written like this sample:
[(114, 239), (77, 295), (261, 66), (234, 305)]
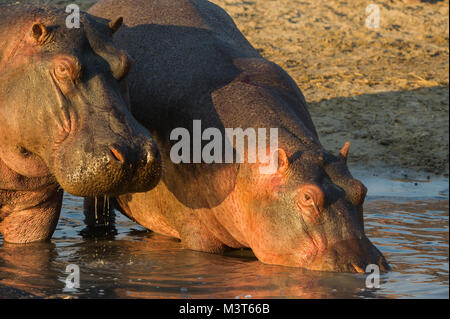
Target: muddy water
[(407, 221)]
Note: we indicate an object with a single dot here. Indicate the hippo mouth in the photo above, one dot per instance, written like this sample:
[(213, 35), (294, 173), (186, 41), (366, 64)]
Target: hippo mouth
[(89, 166), (349, 255), (352, 256)]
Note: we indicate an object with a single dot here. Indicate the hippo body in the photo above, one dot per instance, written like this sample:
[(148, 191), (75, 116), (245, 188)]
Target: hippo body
[(192, 63), (64, 119)]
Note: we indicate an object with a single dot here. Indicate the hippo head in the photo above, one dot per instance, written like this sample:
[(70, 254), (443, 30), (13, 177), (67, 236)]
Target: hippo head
[(64, 108), (310, 214)]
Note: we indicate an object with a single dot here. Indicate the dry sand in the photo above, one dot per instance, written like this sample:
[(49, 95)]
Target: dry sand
[(384, 89)]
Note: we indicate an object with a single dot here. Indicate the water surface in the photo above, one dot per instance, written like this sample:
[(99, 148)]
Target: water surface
[(407, 221)]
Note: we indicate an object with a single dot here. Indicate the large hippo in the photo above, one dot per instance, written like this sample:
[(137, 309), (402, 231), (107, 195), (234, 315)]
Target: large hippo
[(64, 119), (194, 67)]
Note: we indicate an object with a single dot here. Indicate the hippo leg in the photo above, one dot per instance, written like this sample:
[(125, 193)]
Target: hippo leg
[(194, 235), (36, 223), (158, 211)]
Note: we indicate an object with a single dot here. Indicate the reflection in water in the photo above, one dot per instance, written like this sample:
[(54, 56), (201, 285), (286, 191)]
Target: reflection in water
[(26, 267), (131, 262), (413, 235)]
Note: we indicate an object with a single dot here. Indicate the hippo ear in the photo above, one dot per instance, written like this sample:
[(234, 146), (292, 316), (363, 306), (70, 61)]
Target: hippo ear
[(277, 163), (115, 24), (283, 161), (39, 33), (344, 152)]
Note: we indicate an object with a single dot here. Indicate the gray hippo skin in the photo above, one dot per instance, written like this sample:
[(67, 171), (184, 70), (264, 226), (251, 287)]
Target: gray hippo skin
[(64, 123), (192, 63)]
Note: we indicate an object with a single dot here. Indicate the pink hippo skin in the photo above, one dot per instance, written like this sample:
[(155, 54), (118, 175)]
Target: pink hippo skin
[(192, 63), (63, 121)]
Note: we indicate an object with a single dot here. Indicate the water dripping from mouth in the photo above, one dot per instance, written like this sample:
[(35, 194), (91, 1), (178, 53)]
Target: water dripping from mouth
[(106, 210), (109, 211), (105, 213), (95, 209)]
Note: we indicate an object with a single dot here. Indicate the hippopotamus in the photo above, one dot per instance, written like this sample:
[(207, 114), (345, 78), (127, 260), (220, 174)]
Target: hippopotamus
[(65, 122), (194, 67)]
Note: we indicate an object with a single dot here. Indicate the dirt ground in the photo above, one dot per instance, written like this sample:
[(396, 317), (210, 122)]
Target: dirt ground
[(384, 89)]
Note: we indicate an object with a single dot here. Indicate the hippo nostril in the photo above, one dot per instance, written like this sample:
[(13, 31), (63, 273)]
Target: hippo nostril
[(117, 154)]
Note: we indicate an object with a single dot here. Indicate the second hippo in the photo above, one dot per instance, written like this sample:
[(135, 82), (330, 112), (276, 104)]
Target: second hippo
[(198, 76)]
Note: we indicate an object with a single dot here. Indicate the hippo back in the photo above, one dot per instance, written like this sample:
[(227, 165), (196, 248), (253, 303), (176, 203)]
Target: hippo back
[(187, 49), (192, 62)]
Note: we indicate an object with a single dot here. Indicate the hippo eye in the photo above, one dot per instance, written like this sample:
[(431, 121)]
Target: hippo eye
[(67, 68), (307, 200), (62, 71), (311, 202), (311, 196)]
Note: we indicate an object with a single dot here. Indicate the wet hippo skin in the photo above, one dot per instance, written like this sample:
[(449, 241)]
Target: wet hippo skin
[(192, 63)]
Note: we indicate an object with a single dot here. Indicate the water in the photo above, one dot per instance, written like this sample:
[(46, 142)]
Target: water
[(407, 221)]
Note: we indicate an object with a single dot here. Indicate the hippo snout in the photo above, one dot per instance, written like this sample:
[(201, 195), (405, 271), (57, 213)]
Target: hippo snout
[(111, 168), (353, 255)]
